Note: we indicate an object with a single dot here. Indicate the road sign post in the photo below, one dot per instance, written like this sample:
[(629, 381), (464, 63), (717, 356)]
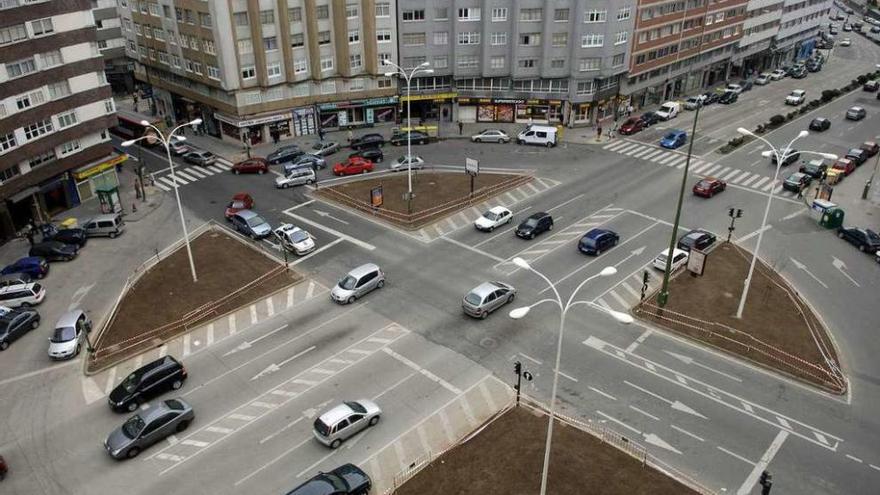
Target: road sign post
[(472, 168)]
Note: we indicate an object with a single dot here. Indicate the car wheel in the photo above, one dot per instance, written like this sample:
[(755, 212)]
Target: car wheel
[(862, 248), (351, 300), (253, 236), (112, 235), (364, 171), (335, 444), (76, 353), (35, 324), (261, 171), (132, 406), (182, 426), (478, 140), (374, 420), (598, 252), (550, 227), (378, 160), (532, 236), (133, 452), (4, 345), (40, 275), (423, 142), (510, 298), (492, 228), (549, 144), (484, 315), (380, 284), (25, 305), (176, 384), (840, 234)]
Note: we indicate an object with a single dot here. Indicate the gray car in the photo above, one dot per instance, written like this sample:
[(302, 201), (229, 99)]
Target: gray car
[(357, 283), (487, 297), (250, 224), (345, 421), (200, 157), (324, 148), (490, 136), (148, 427), (307, 160)]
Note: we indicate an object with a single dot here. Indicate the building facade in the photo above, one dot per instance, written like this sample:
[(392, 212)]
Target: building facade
[(111, 44), (549, 61), (55, 109), (259, 70)]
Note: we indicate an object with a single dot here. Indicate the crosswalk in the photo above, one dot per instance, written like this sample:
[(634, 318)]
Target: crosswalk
[(183, 176), (628, 292), (698, 167)]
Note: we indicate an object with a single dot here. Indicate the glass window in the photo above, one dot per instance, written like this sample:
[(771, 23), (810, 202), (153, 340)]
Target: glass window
[(499, 14), (11, 34), (297, 40), (240, 18), (530, 15), (413, 15), (267, 16), (294, 14), (383, 9), (270, 44), (42, 27), (560, 15), (322, 12)]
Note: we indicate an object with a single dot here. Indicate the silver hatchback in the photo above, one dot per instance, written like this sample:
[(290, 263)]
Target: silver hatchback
[(148, 427), (487, 297), (357, 283), (345, 420)]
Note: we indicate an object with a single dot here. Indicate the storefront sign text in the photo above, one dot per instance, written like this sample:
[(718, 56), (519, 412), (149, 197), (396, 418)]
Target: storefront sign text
[(99, 167)]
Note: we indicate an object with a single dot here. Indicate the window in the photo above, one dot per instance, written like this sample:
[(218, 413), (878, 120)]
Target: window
[(498, 39), (328, 87), (467, 14), (267, 16), (621, 37), (351, 11), (592, 40), (382, 57), (249, 72), (273, 70), (557, 63), (33, 98), (595, 16), (42, 158), (413, 15), (356, 85), (529, 15), (241, 19), (178, 14), (589, 64), (51, 59), (326, 63), (34, 131), (496, 62), (624, 13), (441, 62), (410, 62), (560, 39), (205, 19), (499, 14), (166, 11), (21, 68), (244, 46), (42, 27), (297, 40), (11, 34), (7, 141), (324, 37), (109, 107), (383, 82), (213, 72), (441, 14), (383, 9), (295, 14), (153, 8), (468, 62), (322, 12), (413, 39), (585, 88), (469, 38), (441, 38), (530, 39), (300, 66), (70, 146), (209, 46), (354, 61), (560, 15), (270, 44), (175, 61), (527, 63), (618, 59), (163, 58), (354, 36), (67, 119)]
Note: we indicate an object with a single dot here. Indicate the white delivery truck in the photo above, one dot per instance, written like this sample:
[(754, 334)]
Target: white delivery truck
[(543, 135), (669, 110)]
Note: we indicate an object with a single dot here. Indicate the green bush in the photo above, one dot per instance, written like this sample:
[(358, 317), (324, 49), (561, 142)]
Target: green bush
[(829, 94), (776, 121), (736, 142), (814, 103), (862, 80), (759, 129), (790, 115)]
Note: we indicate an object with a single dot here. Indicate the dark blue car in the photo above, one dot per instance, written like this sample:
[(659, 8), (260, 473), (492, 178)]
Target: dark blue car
[(35, 266), (674, 139), (597, 240)]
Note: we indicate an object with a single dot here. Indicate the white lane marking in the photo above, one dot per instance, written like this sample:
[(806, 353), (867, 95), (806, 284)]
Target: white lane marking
[(750, 180), (769, 186), (431, 376), (111, 381), (169, 457), (209, 335), (471, 248), (195, 443), (231, 324), (186, 176), (176, 177), (568, 376), (874, 467), (160, 186), (240, 417), (852, 458), (270, 307), (636, 409), (731, 174), (682, 430), (607, 395), (756, 185), (784, 422), (762, 464), (748, 407), (712, 170), (290, 297), (186, 345), (639, 340), (735, 455), (219, 429), (539, 363), (214, 169), (166, 180), (357, 242), (621, 423), (699, 168), (254, 317), (172, 440), (753, 234)]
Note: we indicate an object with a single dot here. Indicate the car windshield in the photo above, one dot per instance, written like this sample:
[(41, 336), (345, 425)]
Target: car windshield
[(339, 484), (671, 136), (347, 283), (63, 334), (491, 215), (531, 222), (661, 258), (873, 237), (318, 146), (131, 382), (703, 184), (321, 427), (133, 426), (298, 236), (473, 298), (255, 221), (588, 241), (356, 407), (174, 404)]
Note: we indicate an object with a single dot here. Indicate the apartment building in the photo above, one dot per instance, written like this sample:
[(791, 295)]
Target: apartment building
[(256, 69), (553, 61), (55, 109), (111, 44)]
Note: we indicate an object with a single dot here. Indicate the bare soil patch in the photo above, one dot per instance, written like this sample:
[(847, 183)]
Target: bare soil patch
[(778, 329), (508, 455)]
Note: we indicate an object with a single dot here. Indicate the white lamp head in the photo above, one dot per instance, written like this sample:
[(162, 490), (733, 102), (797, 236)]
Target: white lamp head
[(803, 134), (608, 271), (767, 154), (521, 263), (180, 138), (423, 64), (196, 121), (428, 71), (519, 313), (144, 123), (743, 130), (830, 156), (622, 318), (386, 61), (128, 143), (390, 74)]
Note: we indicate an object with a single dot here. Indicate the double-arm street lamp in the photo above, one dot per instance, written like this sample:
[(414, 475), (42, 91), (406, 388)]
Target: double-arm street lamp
[(521, 312), (780, 158), (166, 141), (407, 76)]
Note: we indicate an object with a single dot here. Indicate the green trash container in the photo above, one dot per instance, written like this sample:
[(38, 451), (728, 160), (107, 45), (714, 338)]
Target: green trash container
[(832, 218)]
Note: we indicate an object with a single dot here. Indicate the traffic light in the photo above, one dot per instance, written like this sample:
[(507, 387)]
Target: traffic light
[(517, 367)]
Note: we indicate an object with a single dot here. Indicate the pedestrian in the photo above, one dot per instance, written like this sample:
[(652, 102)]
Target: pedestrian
[(274, 137), (350, 135), (629, 110), (3, 468), (460, 128), (195, 129), (321, 134), (598, 132), (612, 131)]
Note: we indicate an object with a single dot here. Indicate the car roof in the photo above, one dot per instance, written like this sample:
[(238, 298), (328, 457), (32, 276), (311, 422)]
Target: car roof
[(539, 214), (106, 216), (710, 179), (245, 214), (498, 209), (364, 269), (696, 233), (336, 414), (594, 233), (69, 319), (485, 289), (158, 409), (856, 108)]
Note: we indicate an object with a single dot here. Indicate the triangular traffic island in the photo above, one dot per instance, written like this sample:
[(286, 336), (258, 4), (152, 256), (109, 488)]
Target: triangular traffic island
[(160, 301), (778, 329)]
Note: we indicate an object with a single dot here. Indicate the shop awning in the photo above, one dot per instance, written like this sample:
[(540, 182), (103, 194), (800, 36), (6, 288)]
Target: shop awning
[(24, 194)]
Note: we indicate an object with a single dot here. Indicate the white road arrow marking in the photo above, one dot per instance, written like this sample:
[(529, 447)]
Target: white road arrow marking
[(659, 442), (689, 360), (801, 266), (634, 252), (677, 405), (272, 368), (327, 215), (77, 297), (840, 265), (248, 344)]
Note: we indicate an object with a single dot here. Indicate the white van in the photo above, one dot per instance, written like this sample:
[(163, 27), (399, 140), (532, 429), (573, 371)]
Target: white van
[(668, 110), (544, 135), (22, 296)]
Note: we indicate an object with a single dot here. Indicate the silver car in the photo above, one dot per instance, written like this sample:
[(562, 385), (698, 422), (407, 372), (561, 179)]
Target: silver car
[(487, 297), (307, 160), (490, 136), (345, 420), (357, 283), (414, 162), (324, 148), (148, 427), (200, 157)]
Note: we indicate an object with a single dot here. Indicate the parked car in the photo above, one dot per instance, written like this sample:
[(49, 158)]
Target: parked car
[(416, 137), (668, 110), (146, 382), (870, 147), (799, 72), (34, 266), (54, 251), (797, 182), (110, 225), (358, 283), (844, 165), (347, 479), (710, 97), (815, 168), (777, 74), (240, 201), (494, 218), (596, 241), (734, 88), (875, 29), (374, 155), (858, 155), (865, 239), (694, 102), (871, 86), (791, 157), (486, 298), (846, 41), (148, 427), (295, 239), (66, 339), (856, 113), (796, 97), (284, 154), (709, 186), (75, 236), (696, 239), (746, 84), (324, 148), (649, 118), (372, 140), (491, 136), (295, 177), (14, 324), (200, 157), (631, 126), (308, 160), (345, 421), (814, 65), (679, 258), (250, 224), (674, 139), (22, 295), (763, 79), (178, 148), (820, 124), (536, 224), (351, 166), (414, 162), (15, 279), (254, 165), (728, 97)]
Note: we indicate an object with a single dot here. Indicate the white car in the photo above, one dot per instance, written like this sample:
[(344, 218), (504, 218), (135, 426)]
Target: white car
[(796, 97), (777, 74), (763, 79), (295, 239), (679, 258), (494, 218), (694, 101), (415, 162), (845, 42), (734, 88)]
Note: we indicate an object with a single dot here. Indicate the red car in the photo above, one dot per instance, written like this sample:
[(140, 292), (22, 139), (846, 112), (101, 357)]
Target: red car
[(709, 186), (241, 201), (870, 147), (631, 126), (845, 165), (354, 165), (251, 166)]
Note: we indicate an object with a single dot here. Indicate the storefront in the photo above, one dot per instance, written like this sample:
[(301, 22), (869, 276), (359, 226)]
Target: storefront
[(509, 110), (437, 106), (257, 130), (542, 111), (304, 121), (99, 175), (357, 113)]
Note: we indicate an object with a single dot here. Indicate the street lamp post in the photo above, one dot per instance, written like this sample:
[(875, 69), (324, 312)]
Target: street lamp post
[(166, 141), (521, 312), (780, 157), (407, 76)]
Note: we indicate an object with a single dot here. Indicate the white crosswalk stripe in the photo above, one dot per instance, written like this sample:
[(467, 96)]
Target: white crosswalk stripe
[(750, 180), (731, 174), (626, 148), (166, 180), (222, 166), (700, 167), (215, 169), (198, 173), (636, 150), (712, 170), (644, 152), (160, 186), (758, 184), (652, 153), (722, 171), (769, 186), (742, 176), (659, 157), (668, 158), (184, 175)]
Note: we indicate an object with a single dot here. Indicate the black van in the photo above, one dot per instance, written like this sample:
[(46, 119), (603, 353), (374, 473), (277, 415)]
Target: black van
[(150, 380)]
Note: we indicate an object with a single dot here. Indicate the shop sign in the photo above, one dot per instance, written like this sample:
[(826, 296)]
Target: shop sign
[(99, 167), (696, 262), (435, 97), (376, 198), (471, 166), (370, 102), (510, 101), (250, 122), (343, 118)]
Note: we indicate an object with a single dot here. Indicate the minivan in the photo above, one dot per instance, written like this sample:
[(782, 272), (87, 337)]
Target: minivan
[(110, 225), (295, 177), (24, 295), (67, 338), (146, 382), (538, 134), (669, 110), (250, 224), (357, 283)]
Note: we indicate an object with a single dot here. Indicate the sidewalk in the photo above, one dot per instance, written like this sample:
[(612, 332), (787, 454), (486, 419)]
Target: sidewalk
[(133, 209)]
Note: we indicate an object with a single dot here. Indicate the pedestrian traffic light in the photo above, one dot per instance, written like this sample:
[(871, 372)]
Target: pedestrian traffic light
[(517, 367), (766, 478)]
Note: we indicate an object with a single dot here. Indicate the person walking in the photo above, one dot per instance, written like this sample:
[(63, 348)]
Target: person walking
[(321, 134), (460, 128), (350, 135), (598, 132)]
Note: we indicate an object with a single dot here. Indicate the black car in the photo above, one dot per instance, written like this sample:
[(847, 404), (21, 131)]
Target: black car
[(75, 236), (857, 155), (865, 239), (417, 137), (820, 124), (710, 98), (799, 72), (536, 224), (871, 86), (791, 157), (375, 155), (746, 84), (146, 382), (15, 323), (54, 251), (815, 169), (797, 181), (598, 240), (284, 154), (728, 97), (368, 141), (696, 239), (649, 119), (347, 479), (814, 66)]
